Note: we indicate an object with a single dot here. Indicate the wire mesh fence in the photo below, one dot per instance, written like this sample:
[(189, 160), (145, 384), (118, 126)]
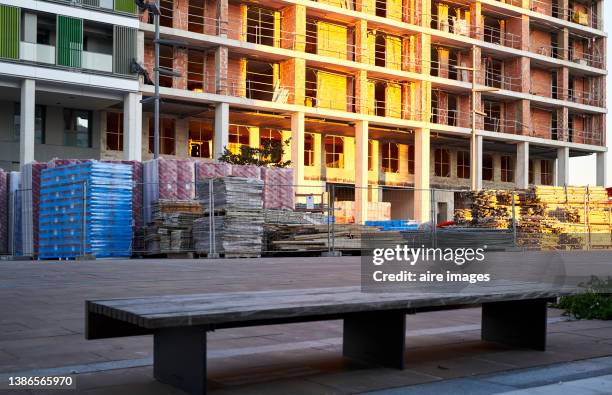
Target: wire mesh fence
[(246, 217)]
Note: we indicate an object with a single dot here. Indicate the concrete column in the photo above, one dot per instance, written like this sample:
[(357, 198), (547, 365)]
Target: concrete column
[(297, 147), (363, 54), (223, 17), (562, 176), (601, 172), (221, 63), (293, 23), (361, 172), (476, 163), (132, 127), (522, 165), (221, 138), (422, 196), (476, 27), (27, 122), (361, 92)]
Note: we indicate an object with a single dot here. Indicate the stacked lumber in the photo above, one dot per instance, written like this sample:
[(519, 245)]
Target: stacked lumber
[(235, 216), (547, 217), (463, 216), (313, 238), (170, 230)]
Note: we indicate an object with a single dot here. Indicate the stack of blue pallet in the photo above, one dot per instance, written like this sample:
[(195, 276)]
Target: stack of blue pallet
[(86, 209), (394, 224)]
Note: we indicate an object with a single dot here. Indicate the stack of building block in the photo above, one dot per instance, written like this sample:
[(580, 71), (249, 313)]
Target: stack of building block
[(30, 202), (170, 179), (3, 212), (233, 214), (279, 191), (171, 228), (14, 213), (86, 209)]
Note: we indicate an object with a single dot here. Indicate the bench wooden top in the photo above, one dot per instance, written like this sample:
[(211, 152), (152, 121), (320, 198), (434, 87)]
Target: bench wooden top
[(245, 308)]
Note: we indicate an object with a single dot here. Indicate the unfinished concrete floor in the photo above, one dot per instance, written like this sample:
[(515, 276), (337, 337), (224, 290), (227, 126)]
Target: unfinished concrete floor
[(42, 322)]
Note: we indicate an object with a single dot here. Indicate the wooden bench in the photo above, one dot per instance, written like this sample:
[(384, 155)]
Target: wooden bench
[(374, 323)]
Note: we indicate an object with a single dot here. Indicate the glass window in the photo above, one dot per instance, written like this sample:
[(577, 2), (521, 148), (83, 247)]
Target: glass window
[(309, 143), (334, 152), (441, 163), (411, 159), (531, 172), (200, 139), (390, 158), (114, 131), (463, 164), (166, 135), (238, 136), (370, 159), (270, 136), (546, 176), (487, 167), (77, 128), (39, 123), (507, 169)]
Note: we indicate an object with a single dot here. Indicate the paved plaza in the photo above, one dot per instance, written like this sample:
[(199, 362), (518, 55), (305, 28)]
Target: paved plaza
[(42, 326)]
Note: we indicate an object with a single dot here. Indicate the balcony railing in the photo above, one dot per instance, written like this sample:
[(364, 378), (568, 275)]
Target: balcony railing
[(38, 53), (97, 61)]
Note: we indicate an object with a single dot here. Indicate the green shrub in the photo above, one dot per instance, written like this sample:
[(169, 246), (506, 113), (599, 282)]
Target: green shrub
[(594, 303)]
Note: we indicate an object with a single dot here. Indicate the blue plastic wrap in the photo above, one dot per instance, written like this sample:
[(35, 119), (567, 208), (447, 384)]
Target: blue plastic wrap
[(86, 209)]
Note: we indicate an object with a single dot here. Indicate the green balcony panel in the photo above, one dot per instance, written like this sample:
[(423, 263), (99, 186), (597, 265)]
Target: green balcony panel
[(9, 31), (69, 41), (125, 6)]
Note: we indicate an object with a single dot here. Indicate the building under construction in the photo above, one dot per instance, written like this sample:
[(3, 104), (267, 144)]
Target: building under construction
[(371, 93)]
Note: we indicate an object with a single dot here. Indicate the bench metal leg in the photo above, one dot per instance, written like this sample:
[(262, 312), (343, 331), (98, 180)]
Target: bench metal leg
[(179, 358), (520, 323), (376, 338)]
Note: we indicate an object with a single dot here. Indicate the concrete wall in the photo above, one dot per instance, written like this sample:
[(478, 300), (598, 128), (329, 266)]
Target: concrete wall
[(54, 138)]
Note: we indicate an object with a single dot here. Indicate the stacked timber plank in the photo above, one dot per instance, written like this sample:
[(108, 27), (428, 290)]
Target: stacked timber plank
[(171, 228), (547, 217), (234, 218)]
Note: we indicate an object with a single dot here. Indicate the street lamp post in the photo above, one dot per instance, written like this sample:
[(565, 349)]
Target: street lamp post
[(475, 165)]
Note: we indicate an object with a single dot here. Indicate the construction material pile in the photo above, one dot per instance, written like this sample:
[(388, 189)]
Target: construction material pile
[(233, 214), (546, 217), (170, 230), (86, 209)]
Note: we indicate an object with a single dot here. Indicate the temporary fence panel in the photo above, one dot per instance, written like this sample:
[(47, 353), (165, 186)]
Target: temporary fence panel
[(393, 100), (331, 40), (69, 41), (86, 209), (10, 28), (393, 53), (331, 90)]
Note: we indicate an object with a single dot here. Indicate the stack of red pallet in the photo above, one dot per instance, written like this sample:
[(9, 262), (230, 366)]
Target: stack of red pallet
[(278, 190), (171, 179), (246, 171), (30, 203)]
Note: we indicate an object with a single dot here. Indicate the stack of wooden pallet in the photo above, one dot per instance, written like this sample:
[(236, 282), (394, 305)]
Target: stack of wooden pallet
[(170, 229), (234, 215)]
